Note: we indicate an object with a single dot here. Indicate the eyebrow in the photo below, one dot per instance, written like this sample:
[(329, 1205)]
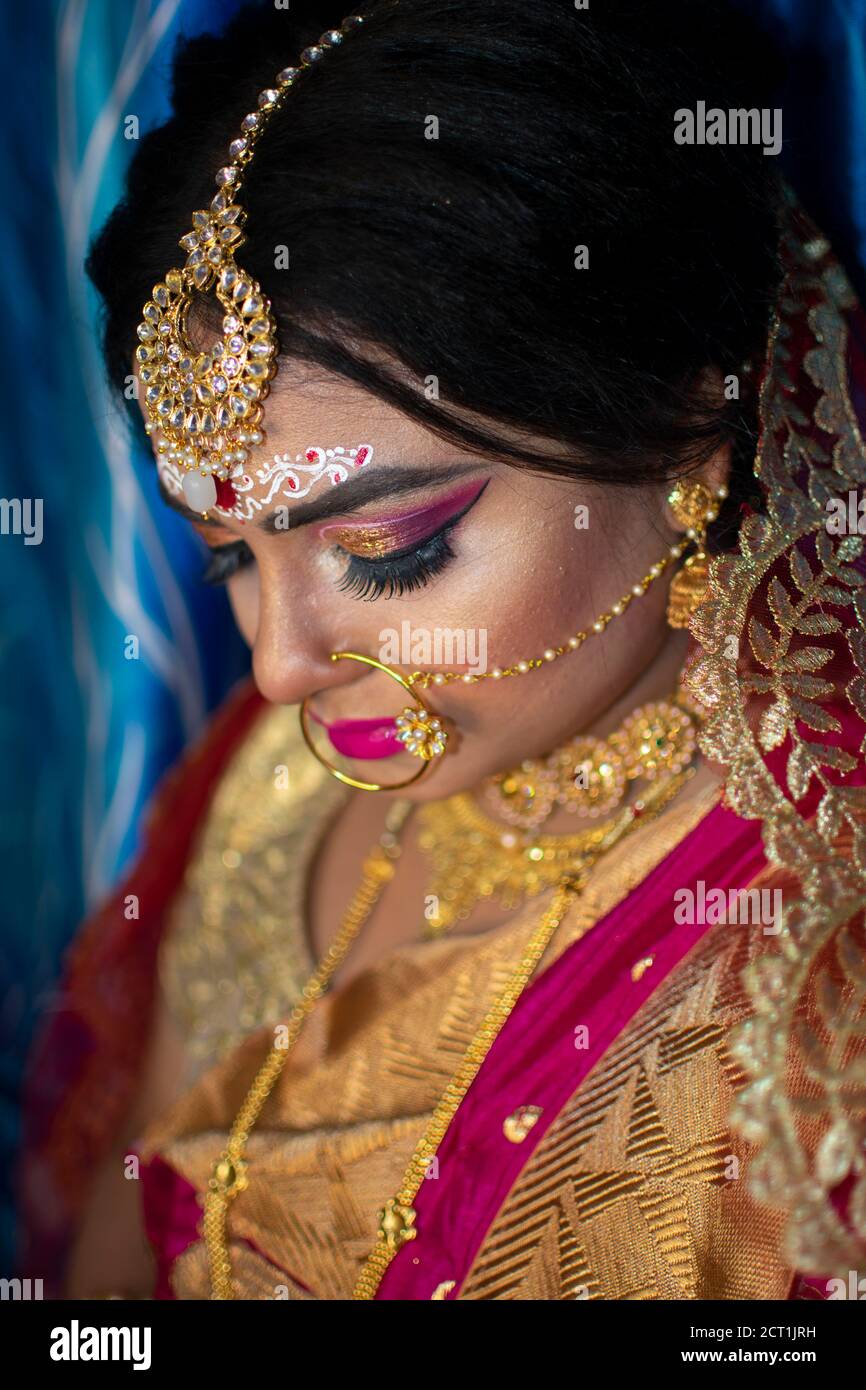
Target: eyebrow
[(369, 487)]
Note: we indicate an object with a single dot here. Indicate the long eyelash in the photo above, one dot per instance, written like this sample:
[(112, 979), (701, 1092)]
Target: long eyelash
[(398, 574), (225, 560)]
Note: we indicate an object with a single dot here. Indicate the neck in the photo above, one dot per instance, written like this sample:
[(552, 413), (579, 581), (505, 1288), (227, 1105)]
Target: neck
[(657, 681)]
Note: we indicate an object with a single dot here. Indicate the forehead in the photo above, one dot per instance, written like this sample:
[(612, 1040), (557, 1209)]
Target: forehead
[(308, 401)]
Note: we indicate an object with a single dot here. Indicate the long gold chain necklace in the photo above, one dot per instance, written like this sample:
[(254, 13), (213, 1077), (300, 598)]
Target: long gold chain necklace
[(397, 1217)]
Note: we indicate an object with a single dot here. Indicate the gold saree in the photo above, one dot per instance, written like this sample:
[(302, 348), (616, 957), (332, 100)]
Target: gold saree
[(634, 1193)]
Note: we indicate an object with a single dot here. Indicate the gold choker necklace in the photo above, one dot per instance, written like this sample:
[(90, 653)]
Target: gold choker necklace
[(474, 857), (589, 777)]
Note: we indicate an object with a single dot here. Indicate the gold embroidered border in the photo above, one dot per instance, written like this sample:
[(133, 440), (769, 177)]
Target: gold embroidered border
[(817, 950)]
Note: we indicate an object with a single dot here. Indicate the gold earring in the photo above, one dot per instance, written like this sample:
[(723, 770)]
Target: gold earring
[(694, 507)]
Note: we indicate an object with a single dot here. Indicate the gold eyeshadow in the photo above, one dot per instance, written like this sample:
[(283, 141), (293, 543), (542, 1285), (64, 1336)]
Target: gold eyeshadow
[(372, 540), (370, 543)]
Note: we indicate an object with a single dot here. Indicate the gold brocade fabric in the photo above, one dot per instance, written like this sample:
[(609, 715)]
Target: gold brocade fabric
[(632, 1193), (637, 1192), (235, 955)]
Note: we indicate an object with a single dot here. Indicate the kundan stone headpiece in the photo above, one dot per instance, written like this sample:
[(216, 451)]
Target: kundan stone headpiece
[(207, 406)]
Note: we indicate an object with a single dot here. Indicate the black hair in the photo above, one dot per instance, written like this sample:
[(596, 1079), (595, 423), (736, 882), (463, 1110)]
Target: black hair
[(454, 256)]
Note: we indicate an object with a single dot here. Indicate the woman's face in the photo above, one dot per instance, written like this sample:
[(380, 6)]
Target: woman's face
[(474, 564)]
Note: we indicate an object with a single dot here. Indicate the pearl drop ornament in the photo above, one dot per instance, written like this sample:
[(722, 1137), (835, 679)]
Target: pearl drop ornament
[(199, 490)]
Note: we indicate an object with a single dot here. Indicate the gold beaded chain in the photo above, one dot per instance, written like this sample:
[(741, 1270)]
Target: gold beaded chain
[(695, 533), (397, 1217), (423, 679)]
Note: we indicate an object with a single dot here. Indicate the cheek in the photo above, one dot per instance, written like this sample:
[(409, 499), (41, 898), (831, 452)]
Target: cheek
[(537, 590), (534, 592), (243, 592)]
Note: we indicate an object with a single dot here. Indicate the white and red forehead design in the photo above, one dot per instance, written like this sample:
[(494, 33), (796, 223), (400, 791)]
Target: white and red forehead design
[(284, 477)]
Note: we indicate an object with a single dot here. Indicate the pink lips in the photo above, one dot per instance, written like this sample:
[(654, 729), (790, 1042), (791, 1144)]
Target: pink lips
[(366, 739)]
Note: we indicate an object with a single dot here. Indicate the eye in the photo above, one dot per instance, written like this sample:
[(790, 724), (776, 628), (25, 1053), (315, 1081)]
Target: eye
[(400, 572), (408, 569), (225, 560)]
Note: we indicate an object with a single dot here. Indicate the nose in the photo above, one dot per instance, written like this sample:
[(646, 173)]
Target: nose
[(292, 647)]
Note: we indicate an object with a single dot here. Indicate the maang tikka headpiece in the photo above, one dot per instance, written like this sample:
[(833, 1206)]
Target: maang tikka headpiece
[(208, 405)]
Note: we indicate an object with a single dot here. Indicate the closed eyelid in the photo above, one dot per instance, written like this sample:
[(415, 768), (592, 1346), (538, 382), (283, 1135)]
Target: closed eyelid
[(378, 537)]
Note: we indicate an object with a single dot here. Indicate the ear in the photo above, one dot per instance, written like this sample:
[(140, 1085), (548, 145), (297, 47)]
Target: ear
[(715, 471), (713, 474)]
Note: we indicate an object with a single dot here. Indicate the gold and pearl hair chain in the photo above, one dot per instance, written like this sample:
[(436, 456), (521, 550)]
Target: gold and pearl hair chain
[(695, 506), (208, 406), (422, 679)]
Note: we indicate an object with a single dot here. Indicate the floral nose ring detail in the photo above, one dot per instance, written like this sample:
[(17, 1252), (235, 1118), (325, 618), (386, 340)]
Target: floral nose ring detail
[(421, 732)]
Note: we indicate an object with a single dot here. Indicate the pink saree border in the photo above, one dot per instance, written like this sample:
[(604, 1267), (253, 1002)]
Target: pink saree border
[(534, 1060)]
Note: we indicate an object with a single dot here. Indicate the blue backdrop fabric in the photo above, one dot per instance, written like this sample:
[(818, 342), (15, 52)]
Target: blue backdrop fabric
[(86, 725)]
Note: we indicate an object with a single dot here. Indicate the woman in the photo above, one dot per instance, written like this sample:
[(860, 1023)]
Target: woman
[(527, 961)]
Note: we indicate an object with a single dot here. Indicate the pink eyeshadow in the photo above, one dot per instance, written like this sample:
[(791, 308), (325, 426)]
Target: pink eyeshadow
[(374, 537)]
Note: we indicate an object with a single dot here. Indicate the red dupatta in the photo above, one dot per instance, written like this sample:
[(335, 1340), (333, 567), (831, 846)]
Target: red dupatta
[(86, 1060)]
